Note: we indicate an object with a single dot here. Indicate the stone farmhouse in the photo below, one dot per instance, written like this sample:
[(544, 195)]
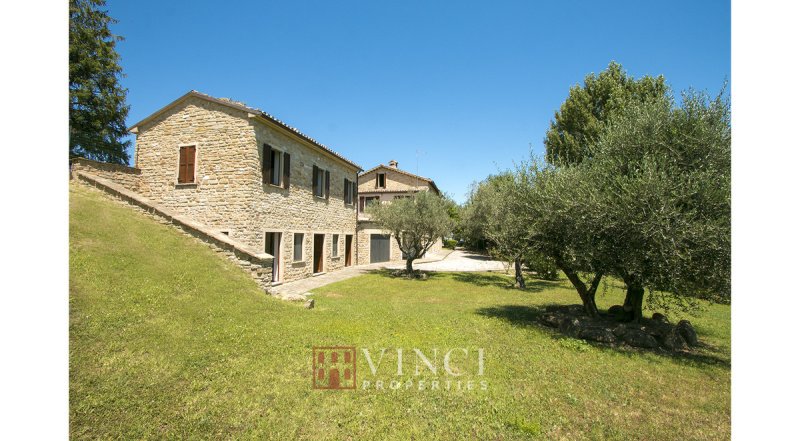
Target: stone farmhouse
[(275, 200)]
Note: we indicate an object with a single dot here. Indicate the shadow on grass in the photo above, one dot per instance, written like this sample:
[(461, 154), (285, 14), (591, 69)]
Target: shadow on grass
[(528, 316), (503, 281)]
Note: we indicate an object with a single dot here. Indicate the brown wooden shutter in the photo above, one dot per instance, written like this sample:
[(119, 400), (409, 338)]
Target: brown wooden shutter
[(190, 153), (327, 184), (266, 165), (181, 165), (287, 170), (354, 190), (186, 165), (314, 174)]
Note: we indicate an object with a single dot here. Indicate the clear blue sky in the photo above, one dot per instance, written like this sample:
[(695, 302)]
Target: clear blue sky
[(469, 85)]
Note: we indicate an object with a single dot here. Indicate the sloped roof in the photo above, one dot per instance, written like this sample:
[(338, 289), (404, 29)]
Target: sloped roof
[(242, 106), (403, 172)]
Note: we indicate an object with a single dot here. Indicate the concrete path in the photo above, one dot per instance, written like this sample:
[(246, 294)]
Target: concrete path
[(458, 261), (299, 289)]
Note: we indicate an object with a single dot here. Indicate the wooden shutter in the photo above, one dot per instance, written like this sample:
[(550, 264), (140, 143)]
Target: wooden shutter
[(327, 184), (181, 165), (186, 165), (354, 190), (346, 190), (286, 170), (266, 165), (314, 174)]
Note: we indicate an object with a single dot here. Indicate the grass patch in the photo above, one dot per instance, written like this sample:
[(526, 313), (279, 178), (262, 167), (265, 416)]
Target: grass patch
[(167, 340)]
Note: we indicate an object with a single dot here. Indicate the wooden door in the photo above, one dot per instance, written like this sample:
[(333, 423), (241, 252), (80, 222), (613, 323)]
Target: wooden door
[(348, 250), (319, 245)]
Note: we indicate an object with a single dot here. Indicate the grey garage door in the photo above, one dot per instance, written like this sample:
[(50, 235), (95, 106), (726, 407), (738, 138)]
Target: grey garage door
[(379, 248)]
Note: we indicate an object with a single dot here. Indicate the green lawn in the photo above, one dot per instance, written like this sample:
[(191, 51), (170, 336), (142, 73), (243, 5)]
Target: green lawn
[(167, 340)]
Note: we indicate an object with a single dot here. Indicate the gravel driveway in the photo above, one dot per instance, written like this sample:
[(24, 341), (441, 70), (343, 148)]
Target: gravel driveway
[(458, 260)]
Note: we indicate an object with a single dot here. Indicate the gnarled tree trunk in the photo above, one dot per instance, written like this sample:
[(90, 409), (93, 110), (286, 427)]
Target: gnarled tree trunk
[(409, 269), (634, 297), (587, 294), (518, 272)]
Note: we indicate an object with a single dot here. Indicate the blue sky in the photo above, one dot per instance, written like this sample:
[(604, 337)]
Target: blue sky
[(452, 90)]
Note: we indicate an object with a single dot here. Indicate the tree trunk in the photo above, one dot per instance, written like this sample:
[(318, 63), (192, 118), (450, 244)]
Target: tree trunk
[(587, 294), (634, 296), (518, 272), (409, 269)]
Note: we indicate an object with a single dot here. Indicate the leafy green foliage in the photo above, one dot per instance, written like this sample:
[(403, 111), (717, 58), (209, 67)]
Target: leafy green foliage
[(97, 108), (576, 128), (416, 222)]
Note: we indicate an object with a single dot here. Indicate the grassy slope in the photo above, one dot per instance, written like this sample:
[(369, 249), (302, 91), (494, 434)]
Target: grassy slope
[(168, 340)]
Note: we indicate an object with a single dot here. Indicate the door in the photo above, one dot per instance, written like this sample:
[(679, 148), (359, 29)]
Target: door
[(272, 246), (348, 250), (378, 248), (319, 245)]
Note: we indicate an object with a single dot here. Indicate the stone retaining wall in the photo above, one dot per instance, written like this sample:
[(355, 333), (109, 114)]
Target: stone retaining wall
[(258, 265), (128, 177)]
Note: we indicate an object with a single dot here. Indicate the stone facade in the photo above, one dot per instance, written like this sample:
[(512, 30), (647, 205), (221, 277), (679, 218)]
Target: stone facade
[(397, 183), (228, 194)]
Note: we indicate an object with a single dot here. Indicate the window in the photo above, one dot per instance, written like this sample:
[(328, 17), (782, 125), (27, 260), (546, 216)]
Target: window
[(276, 167), (380, 180), (402, 196), (366, 201), (335, 243), (298, 247), (349, 192), (186, 165), (321, 182)]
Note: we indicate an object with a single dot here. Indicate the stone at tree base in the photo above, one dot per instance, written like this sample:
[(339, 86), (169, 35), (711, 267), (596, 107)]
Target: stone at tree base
[(552, 320), (659, 317), (687, 331), (674, 340), (620, 330), (597, 334), (570, 326), (309, 304), (639, 339)]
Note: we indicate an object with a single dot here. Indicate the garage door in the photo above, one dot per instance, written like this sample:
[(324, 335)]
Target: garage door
[(379, 248)]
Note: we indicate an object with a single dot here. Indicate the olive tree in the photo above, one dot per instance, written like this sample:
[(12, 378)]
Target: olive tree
[(660, 209), (552, 203), (491, 216), (416, 223)]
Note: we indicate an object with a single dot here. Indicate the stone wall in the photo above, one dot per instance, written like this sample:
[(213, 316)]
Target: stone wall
[(229, 195), (123, 175), (258, 265)]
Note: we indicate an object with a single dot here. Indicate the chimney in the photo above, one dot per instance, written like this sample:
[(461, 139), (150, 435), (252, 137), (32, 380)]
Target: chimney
[(393, 163)]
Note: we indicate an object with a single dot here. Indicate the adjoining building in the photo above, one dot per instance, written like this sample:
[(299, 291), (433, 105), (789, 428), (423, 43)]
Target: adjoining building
[(383, 184)]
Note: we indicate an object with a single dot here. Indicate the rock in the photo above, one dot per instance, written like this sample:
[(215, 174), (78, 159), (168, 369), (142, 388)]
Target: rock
[(550, 319), (570, 326), (639, 339), (687, 331), (576, 310), (309, 304), (674, 340), (291, 297), (620, 330), (597, 334), (660, 318), (618, 313)]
